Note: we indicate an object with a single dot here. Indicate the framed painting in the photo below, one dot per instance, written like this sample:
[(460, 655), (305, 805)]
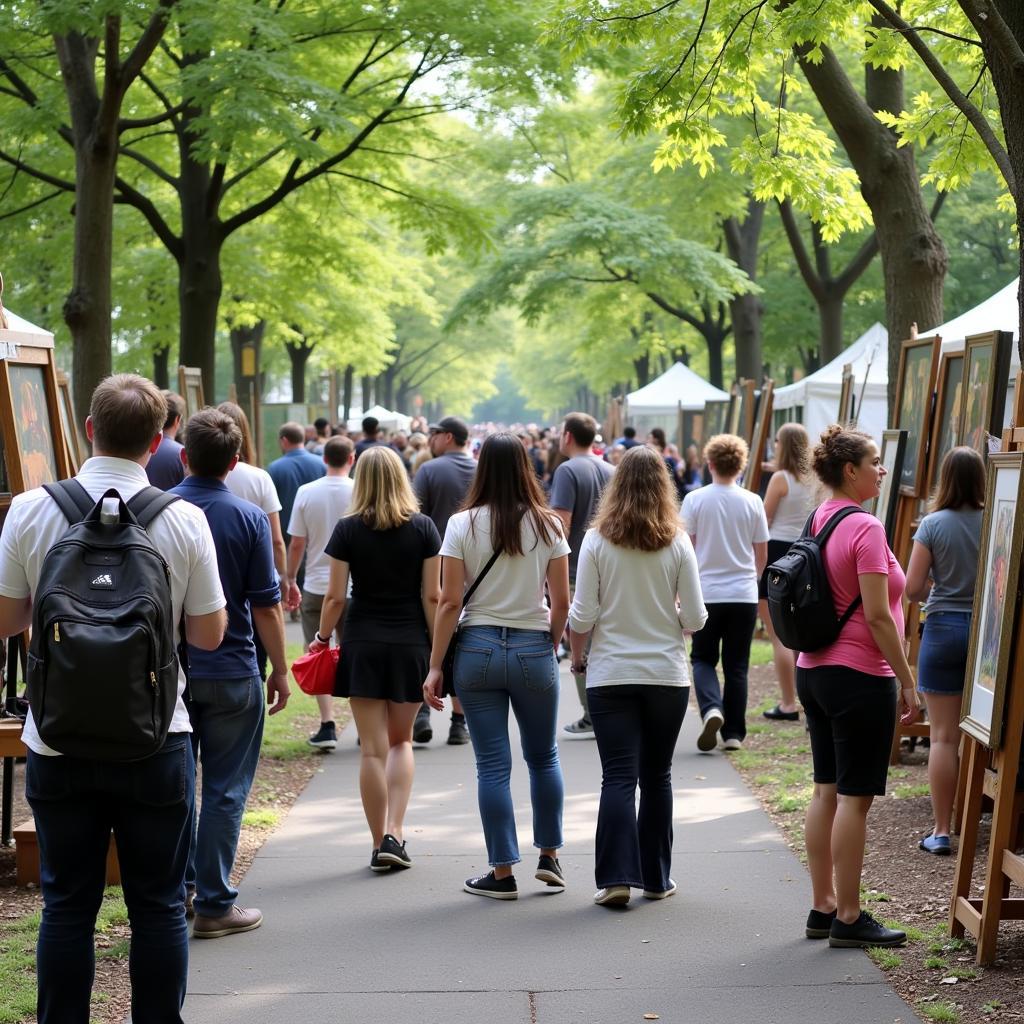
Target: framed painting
[(715, 418), (986, 370), (72, 439), (190, 387), (894, 450), (746, 411), (919, 359), (995, 600), (732, 418), (759, 442), (690, 429), (946, 421), (846, 398)]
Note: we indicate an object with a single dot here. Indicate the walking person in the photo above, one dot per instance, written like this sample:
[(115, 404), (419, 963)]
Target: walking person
[(729, 532), (506, 546), (637, 591), (318, 507), (787, 504), (441, 486), (164, 468), (576, 488), (851, 711), (226, 706), (76, 801), (390, 551), (942, 570)]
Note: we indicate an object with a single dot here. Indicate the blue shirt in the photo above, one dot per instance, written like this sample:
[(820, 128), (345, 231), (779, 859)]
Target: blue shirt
[(164, 468), (245, 560), (295, 468)]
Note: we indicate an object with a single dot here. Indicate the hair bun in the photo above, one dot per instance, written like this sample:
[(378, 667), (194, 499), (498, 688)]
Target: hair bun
[(830, 433)]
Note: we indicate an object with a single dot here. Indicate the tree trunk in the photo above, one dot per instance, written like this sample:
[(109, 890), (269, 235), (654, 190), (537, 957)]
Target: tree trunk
[(742, 242), (299, 353), (161, 371), (346, 400), (367, 394), (642, 369), (830, 318)]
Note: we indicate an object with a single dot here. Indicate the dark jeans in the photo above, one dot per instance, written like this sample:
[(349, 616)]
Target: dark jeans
[(76, 803), (729, 630), (636, 728)]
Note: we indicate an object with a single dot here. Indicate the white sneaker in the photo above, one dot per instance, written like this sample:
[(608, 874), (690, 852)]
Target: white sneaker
[(708, 737), (613, 896), (732, 743), (652, 894)]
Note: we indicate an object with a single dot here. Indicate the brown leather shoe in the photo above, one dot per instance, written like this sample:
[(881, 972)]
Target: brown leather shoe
[(234, 921)]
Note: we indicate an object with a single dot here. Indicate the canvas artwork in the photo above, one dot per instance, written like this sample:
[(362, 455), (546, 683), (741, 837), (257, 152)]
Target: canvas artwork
[(715, 414), (975, 390), (893, 453), (994, 594), (947, 418), (32, 425), (917, 376), (693, 429)]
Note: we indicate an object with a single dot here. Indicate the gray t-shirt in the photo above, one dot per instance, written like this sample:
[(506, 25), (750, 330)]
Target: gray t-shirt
[(442, 485), (576, 487), (953, 536)]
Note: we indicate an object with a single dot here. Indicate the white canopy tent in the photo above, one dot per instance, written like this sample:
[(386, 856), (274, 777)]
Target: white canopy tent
[(818, 393), (387, 419), (657, 403), (20, 332)]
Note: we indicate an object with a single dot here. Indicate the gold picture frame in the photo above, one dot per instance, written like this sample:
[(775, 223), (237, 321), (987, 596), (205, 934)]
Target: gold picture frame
[(758, 443), (190, 386), (915, 385), (986, 371)]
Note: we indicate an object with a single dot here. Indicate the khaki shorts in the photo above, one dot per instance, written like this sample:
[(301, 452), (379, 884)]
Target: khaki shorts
[(309, 614)]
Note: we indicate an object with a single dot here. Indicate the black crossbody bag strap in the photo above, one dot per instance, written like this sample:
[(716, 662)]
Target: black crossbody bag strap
[(476, 583)]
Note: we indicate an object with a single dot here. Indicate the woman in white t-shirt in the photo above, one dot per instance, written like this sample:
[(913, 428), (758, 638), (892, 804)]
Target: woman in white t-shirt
[(637, 590), (788, 502), (729, 532), (505, 653)]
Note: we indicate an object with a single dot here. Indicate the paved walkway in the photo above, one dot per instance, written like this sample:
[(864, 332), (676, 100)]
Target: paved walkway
[(340, 944)]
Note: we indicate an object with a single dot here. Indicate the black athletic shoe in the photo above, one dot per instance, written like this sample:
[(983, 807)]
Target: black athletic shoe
[(325, 738), (393, 852), (488, 885), (458, 734), (550, 871), (421, 728), (376, 864), (865, 931), (819, 924)]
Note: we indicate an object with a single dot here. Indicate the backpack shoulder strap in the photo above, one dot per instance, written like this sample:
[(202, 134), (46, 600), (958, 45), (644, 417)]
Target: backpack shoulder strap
[(149, 503), (72, 499), (826, 531)]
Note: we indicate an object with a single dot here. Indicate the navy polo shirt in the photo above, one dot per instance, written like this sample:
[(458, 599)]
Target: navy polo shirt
[(245, 560), (165, 469), (295, 468)]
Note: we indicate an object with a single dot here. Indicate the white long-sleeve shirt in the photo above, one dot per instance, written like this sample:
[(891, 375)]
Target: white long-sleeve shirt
[(629, 599)]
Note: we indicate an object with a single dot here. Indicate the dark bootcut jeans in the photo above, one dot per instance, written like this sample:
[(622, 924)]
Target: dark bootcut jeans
[(76, 803), (729, 632), (636, 728)]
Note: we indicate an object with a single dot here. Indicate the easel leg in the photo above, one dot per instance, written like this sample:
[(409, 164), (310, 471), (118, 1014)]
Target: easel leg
[(973, 770)]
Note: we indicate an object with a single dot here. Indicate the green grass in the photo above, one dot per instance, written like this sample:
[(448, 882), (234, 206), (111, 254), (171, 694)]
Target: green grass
[(964, 973), (261, 818), (761, 654), (874, 896), (913, 934), (284, 734), (908, 792), (942, 1011), (935, 963), (794, 801), (886, 959), (116, 951), (991, 1006)]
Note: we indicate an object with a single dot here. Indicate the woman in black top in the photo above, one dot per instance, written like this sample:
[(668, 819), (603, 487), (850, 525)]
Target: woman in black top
[(391, 552)]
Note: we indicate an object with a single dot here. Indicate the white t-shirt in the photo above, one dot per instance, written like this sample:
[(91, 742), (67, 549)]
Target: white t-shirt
[(628, 598), (254, 484), (180, 533), (792, 510), (512, 594), (318, 507), (727, 521)]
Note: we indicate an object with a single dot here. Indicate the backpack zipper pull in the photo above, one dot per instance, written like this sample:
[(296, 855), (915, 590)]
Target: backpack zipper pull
[(56, 632), (152, 680)]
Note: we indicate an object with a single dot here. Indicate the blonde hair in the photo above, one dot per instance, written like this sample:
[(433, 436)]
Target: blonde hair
[(727, 453), (639, 508), (382, 497), (793, 450)]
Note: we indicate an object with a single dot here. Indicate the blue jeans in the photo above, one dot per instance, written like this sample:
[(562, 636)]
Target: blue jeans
[(227, 723), (497, 667), (727, 633), (148, 804), (942, 659), (636, 728)]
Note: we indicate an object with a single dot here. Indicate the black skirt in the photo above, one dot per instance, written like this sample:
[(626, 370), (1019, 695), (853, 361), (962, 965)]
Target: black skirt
[(381, 671), (776, 549)]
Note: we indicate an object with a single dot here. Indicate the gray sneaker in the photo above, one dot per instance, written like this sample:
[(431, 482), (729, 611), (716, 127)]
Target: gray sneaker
[(708, 737), (581, 727)]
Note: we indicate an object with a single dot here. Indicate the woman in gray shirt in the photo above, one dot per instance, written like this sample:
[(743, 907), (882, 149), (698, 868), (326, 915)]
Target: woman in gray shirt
[(942, 569)]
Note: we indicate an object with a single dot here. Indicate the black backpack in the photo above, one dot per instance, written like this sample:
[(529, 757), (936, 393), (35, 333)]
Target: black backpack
[(800, 600), (102, 665)]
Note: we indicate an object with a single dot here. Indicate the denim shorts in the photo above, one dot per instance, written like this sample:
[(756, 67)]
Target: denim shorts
[(942, 659)]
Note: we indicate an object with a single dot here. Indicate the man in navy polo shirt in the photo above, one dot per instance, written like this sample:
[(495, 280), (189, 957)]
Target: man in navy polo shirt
[(164, 468), (226, 687)]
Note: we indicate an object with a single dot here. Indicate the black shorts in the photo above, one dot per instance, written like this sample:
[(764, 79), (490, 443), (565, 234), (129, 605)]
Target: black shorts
[(852, 719), (776, 549)]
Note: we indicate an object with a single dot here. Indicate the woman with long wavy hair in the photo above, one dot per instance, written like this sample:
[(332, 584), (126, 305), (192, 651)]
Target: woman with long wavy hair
[(638, 592), (505, 653)]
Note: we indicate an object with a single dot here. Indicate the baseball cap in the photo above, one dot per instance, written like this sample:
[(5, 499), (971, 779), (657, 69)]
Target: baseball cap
[(451, 425)]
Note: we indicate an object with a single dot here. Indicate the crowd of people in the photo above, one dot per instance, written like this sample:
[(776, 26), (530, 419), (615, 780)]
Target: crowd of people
[(450, 562)]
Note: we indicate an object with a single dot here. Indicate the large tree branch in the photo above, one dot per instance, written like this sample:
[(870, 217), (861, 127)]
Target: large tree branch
[(975, 116), (129, 196), (33, 205), (49, 179), (131, 123), (860, 263), (146, 44), (796, 243), (677, 311), (22, 89), (150, 165)]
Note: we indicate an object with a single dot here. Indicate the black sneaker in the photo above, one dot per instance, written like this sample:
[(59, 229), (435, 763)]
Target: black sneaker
[(865, 931), (393, 852), (325, 738), (421, 728), (819, 924), (376, 864), (458, 734), (550, 871), (496, 888)]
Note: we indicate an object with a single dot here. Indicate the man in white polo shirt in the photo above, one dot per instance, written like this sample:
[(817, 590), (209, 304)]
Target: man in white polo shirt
[(318, 507), (77, 801)]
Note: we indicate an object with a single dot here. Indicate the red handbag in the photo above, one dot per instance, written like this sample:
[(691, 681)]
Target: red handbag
[(314, 672)]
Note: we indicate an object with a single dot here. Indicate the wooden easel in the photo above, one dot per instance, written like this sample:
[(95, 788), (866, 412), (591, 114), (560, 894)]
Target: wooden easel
[(993, 774)]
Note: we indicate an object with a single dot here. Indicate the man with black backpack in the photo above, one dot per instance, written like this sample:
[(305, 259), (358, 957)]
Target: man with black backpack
[(105, 586), (226, 685)]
